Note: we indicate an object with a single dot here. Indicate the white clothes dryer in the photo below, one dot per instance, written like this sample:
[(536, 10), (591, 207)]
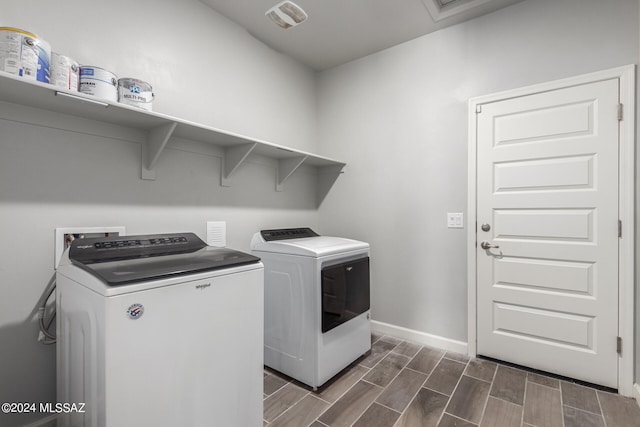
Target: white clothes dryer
[(317, 309)]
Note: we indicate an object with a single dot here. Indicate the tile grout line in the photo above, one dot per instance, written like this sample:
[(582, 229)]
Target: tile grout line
[(348, 388), (419, 388), (289, 408), (434, 367), (416, 371), (561, 405), (413, 370), (396, 376), (586, 410), (604, 420), (426, 387), (325, 401), (399, 341), (400, 354), (444, 410), (486, 402), (339, 397), (479, 379), (524, 398), (372, 402), (361, 378), (543, 385), (385, 406), (295, 403), (275, 391), (427, 379), (508, 401), (406, 367), (462, 419), (453, 360)]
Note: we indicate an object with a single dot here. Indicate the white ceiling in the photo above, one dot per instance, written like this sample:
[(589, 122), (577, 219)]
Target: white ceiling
[(338, 31)]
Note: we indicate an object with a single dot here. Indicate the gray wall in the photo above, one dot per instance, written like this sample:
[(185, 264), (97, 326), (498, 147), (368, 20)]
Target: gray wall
[(399, 120), (203, 68)]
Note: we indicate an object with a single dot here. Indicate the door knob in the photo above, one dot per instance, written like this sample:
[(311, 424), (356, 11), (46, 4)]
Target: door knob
[(486, 245)]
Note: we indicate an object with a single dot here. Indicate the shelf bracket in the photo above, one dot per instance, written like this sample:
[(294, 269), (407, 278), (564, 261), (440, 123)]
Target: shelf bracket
[(327, 176), (152, 148), (286, 167), (232, 159)]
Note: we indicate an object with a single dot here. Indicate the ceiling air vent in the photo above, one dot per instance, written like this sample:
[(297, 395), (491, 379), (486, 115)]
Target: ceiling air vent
[(441, 9), (287, 14)]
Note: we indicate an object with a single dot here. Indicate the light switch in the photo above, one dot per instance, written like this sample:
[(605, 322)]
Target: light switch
[(455, 220)]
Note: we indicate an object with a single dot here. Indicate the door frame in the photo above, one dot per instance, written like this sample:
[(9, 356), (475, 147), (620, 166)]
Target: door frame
[(626, 208)]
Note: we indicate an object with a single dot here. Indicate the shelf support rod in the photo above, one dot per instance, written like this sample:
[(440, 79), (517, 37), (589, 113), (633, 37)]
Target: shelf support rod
[(232, 159), (152, 148), (286, 167)]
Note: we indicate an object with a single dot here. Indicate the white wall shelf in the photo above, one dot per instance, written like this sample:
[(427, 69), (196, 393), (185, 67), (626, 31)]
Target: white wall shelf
[(159, 128)]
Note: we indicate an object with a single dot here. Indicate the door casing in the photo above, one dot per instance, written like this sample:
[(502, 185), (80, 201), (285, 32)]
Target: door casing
[(626, 243)]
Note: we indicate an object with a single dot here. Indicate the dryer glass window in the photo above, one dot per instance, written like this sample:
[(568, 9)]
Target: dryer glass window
[(345, 292)]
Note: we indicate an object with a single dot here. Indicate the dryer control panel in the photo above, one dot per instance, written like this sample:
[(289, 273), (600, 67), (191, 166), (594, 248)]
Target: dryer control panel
[(287, 233)]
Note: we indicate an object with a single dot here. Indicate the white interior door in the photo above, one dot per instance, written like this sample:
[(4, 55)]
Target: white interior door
[(547, 192)]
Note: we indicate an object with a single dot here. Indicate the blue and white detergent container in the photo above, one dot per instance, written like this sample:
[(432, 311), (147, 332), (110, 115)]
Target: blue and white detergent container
[(24, 54)]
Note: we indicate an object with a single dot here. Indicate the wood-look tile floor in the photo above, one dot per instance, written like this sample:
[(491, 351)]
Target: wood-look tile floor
[(401, 384)]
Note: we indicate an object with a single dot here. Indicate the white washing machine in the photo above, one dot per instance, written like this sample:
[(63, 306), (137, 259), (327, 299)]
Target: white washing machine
[(159, 330), (317, 318)]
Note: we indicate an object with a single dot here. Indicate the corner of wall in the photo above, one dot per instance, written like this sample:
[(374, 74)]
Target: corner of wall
[(419, 337)]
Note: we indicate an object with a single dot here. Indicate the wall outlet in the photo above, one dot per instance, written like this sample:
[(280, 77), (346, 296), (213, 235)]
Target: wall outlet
[(217, 233), (455, 220), (65, 235)]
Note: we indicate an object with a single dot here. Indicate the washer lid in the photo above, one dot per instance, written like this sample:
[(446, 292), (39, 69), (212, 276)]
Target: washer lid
[(318, 246), (123, 260)]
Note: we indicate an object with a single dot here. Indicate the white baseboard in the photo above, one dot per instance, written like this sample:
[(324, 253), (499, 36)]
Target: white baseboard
[(636, 392), (418, 337), (49, 421)]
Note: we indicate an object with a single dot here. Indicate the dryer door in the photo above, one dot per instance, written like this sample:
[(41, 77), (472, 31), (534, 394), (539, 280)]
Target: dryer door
[(345, 292)]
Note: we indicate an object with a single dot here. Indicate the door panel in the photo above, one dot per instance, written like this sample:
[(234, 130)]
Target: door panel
[(548, 185), (545, 275), (539, 124), (568, 173), (544, 325), (545, 224)]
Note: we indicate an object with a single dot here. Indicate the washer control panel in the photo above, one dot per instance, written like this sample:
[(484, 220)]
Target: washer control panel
[(103, 249)]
